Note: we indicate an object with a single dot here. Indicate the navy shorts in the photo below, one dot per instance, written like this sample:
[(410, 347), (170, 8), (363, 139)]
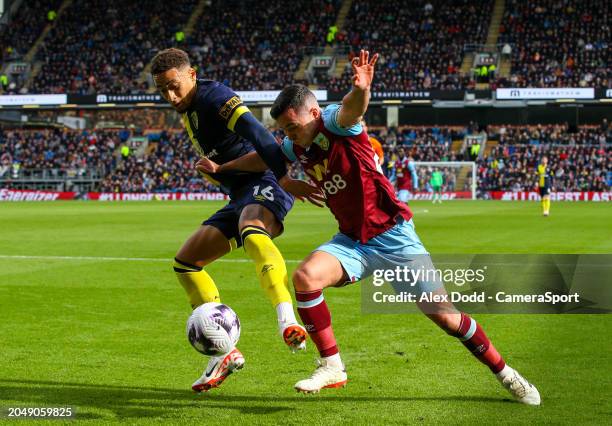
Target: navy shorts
[(544, 190), (265, 191)]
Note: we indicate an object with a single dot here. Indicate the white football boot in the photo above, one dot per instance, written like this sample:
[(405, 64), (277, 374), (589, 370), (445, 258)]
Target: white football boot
[(294, 336), (219, 367), (325, 376), (519, 387)]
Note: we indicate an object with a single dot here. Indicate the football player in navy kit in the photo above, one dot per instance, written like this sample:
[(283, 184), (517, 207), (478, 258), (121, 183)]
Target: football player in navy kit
[(222, 128)]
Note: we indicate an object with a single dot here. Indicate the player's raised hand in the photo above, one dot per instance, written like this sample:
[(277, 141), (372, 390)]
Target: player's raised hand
[(205, 165), (363, 69), (303, 190)]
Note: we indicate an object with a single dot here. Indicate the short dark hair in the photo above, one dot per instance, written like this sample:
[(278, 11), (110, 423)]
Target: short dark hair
[(168, 59), (293, 96)]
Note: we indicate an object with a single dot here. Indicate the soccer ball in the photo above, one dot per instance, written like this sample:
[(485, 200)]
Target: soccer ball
[(213, 329)]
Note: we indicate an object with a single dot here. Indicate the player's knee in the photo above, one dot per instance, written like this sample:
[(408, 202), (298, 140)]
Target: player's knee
[(447, 322), (182, 266), (304, 280)]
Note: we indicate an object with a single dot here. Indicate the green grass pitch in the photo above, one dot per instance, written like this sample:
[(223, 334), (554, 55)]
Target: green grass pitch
[(107, 337)]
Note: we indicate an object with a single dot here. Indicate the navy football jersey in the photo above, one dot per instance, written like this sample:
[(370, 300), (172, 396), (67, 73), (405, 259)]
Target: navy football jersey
[(210, 122)]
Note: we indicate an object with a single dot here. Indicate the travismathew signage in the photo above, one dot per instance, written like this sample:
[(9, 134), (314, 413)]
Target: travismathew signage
[(546, 93), (604, 93), (265, 96), (18, 100), (408, 95), (403, 94)]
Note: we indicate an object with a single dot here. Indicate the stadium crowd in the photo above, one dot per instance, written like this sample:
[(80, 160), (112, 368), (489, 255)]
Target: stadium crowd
[(169, 167), (420, 42), (22, 30), (259, 51), (581, 160), (92, 48), (575, 168), (58, 150), (558, 43)]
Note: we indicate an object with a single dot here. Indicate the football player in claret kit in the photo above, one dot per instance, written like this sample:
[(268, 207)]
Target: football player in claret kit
[(221, 128), (404, 176), (376, 229)]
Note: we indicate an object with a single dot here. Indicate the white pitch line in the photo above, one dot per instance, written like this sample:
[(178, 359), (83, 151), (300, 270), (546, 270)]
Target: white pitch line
[(121, 259)]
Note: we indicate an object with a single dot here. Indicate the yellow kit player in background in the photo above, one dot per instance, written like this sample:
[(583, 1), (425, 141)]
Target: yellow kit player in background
[(545, 178)]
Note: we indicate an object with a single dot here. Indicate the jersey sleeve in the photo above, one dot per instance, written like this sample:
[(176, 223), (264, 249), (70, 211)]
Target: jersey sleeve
[(330, 120), (287, 149), (238, 119)]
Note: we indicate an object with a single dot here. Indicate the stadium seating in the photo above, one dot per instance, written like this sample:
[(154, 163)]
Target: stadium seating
[(420, 42), (259, 51), (558, 43), (93, 48), (58, 149), (21, 31), (582, 160), (168, 168)]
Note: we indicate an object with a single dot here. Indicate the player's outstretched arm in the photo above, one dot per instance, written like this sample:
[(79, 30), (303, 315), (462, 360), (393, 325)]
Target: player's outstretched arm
[(265, 144), (355, 103), (250, 162)]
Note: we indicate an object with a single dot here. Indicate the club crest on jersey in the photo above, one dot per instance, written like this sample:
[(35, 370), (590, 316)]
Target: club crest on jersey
[(322, 141), (194, 120)]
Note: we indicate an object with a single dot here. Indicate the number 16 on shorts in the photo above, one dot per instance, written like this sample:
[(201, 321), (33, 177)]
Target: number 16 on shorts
[(265, 192)]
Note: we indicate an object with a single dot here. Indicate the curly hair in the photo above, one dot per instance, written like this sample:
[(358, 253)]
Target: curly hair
[(169, 58)]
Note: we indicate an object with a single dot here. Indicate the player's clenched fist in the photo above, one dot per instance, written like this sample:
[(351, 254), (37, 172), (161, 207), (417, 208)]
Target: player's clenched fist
[(205, 165)]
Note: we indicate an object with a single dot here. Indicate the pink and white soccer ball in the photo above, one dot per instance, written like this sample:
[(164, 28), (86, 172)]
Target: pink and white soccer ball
[(213, 329)]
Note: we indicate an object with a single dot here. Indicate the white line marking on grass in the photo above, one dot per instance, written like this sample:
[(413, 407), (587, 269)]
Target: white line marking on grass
[(121, 259)]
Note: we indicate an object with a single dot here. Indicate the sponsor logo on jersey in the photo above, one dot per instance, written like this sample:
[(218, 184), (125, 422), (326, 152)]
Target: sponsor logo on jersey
[(211, 154), (318, 171), (226, 110)]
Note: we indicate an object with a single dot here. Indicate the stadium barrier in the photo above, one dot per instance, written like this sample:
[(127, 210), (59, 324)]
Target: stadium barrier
[(554, 196), (29, 195), (448, 195)]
